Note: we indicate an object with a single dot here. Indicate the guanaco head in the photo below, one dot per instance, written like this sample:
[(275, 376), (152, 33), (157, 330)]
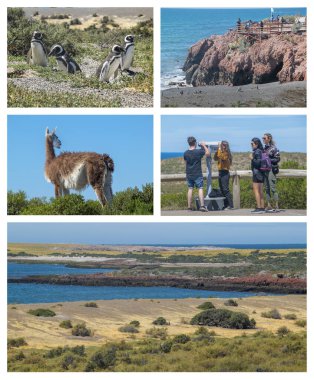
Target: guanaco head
[(53, 138)]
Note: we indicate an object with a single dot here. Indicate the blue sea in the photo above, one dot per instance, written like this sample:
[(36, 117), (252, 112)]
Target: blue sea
[(45, 293), (182, 27)]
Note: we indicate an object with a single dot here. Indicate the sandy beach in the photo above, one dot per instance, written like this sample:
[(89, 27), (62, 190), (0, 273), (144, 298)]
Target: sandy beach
[(105, 320), (291, 94)]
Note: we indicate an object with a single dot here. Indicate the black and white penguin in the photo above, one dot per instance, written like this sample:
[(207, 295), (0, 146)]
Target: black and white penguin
[(64, 60), (110, 67), (37, 54), (128, 55)]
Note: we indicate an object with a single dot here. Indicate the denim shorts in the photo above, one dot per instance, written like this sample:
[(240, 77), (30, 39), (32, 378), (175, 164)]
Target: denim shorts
[(198, 183)]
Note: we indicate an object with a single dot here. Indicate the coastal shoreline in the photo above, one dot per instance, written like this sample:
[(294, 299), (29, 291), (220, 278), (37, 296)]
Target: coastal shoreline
[(262, 283), (274, 94)]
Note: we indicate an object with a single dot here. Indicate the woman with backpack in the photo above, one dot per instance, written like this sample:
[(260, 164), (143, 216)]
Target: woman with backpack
[(224, 158), (258, 169), (270, 180)]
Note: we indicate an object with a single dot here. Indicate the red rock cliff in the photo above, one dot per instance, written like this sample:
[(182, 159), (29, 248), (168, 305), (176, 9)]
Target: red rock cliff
[(232, 59)]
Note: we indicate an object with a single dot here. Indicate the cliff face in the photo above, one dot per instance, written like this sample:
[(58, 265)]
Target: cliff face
[(231, 59)]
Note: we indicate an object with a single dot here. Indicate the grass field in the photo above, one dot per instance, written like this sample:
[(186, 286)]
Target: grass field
[(145, 351)]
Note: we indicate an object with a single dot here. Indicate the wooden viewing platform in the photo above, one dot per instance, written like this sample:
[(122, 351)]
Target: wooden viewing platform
[(269, 28), (235, 179)]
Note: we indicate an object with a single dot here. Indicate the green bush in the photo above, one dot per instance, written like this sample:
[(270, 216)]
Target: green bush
[(155, 332), (128, 329), (67, 324), (16, 342), (273, 314), (300, 322), (231, 303), (42, 312), (81, 330), (160, 321), (181, 338), (21, 28), (166, 346), (223, 318), (135, 323), (291, 317), (206, 305), (104, 359), (91, 304), (128, 202), (283, 331), (16, 202), (202, 334), (68, 361)]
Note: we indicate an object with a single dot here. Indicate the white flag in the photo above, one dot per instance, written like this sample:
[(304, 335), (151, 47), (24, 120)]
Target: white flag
[(272, 10)]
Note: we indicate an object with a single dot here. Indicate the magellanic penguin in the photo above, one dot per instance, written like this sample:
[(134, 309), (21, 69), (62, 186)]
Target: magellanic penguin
[(110, 67), (128, 55), (37, 54), (64, 60)]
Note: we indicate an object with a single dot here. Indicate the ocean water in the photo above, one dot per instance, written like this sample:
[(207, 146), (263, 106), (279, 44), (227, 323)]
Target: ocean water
[(42, 293), (166, 155), (182, 27), (18, 270)]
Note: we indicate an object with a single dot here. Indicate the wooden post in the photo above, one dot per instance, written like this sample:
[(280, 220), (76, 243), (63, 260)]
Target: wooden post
[(236, 190)]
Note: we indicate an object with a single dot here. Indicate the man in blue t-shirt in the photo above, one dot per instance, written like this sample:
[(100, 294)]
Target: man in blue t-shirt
[(194, 176)]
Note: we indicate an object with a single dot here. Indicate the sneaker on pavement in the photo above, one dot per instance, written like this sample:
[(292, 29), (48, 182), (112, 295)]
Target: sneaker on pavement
[(203, 209)]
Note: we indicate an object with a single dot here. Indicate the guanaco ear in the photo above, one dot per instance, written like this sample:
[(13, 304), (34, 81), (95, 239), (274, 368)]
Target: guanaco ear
[(47, 131)]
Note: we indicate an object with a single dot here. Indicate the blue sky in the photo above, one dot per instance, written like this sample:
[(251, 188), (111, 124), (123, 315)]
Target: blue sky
[(127, 139), (288, 131), (158, 233)]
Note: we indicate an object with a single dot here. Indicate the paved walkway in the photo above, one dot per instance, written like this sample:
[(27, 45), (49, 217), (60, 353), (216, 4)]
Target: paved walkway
[(237, 212)]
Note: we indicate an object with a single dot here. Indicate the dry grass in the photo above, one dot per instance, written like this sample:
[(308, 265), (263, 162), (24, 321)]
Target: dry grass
[(66, 249), (110, 315)]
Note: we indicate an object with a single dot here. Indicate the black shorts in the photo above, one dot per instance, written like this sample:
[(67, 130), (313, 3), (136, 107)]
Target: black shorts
[(258, 177)]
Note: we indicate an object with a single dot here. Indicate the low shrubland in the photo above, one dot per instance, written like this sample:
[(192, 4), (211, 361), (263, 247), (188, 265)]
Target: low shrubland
[(273, 314), (42, 312), (81, 330), (283, 351), (127, 202), (223, 318)]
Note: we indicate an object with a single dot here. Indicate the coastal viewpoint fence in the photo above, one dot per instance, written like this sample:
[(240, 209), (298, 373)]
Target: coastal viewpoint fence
[(236, 175), (265, 29)]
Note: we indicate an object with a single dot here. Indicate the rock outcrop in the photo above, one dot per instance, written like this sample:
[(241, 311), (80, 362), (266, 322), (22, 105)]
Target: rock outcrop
[(233, 59), (263, 283)]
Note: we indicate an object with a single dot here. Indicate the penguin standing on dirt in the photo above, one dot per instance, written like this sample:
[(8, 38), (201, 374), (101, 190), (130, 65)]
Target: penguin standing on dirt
[(64, 60), (110, 67), (128, 55), (37, 54)]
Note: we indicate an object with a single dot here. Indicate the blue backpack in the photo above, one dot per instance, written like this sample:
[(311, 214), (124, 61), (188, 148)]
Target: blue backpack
[(265, 163)]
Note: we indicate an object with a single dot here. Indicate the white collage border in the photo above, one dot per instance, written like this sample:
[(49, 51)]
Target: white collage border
[(157, 112)]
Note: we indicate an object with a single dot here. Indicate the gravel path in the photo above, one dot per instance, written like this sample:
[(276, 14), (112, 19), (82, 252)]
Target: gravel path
[(127, 97)]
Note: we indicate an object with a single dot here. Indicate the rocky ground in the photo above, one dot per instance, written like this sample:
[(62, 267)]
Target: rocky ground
[(255, 283), (291, 94), (233, 70)]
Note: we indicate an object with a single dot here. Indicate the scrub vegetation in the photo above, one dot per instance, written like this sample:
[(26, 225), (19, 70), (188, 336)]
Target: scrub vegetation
[(131, 201), (292, 190), (89, 45), (201, 351)]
